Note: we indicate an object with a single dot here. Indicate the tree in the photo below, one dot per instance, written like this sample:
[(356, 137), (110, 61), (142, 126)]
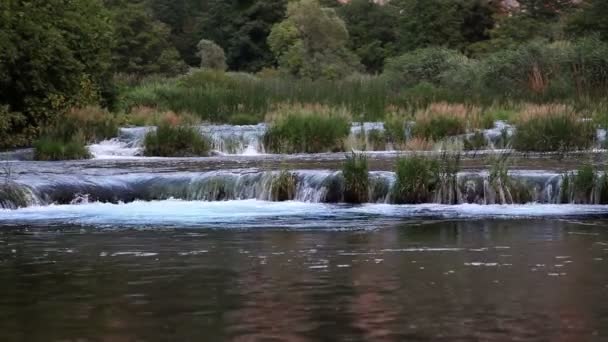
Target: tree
[(212, 55), (142, 43), (54, 54), (454, 24), (240, 27), (312, 42), (372, 32), (591, 19)]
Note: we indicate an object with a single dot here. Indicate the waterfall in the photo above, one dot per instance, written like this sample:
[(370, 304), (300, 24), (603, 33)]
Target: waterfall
[(315, 186)]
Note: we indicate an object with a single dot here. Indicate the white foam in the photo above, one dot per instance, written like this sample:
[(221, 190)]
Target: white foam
[(254, 213)]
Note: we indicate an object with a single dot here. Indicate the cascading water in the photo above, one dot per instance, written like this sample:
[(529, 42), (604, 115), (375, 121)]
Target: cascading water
[(248, 139), (308, 186)]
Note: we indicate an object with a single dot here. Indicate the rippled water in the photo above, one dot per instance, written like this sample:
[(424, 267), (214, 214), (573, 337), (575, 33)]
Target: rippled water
[(481, 280)]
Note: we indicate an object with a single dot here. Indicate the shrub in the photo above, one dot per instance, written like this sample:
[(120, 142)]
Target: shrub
[(356, 179), (212, 55), (440, 121), (423, 65), (302, 131), (95, 123), (176, 141), (53, 147), (283, 187), (552, 128), (416, 180)]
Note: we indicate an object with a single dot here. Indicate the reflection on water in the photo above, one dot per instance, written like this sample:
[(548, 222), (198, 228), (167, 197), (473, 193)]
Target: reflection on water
[(539, 280)]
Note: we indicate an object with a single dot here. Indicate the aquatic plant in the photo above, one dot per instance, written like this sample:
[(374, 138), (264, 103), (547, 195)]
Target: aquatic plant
[(395, 128), (283, 187), (499, 179), (93, 122), (51, 147), (176, 141), (552, 128), (416, 179), (440, 121), (356, 178), (307, 132), (447, 178), (583, 183)]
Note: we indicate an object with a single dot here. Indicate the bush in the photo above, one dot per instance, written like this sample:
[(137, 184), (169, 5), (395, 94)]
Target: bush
[(303, 131), (440, 121), (552, 128), (424, 65), (356, 179), (95, 123), (50, 147), (416, 179), (176, 141)]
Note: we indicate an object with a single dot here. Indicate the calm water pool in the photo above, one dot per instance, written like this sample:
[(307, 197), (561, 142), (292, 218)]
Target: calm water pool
[(417, 280)]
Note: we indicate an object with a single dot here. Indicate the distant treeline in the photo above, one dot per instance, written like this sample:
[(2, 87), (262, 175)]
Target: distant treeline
[(58, 54)]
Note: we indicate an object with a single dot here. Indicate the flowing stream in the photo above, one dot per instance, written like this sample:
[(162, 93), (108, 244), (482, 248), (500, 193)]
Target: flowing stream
[(251, 246)]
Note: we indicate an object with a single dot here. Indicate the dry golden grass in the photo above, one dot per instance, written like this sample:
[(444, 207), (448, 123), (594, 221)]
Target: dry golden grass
[(533, 111), (470, 115), (149, 116)]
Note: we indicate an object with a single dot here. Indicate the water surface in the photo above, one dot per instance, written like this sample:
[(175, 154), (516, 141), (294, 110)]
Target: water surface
[(412, 280)]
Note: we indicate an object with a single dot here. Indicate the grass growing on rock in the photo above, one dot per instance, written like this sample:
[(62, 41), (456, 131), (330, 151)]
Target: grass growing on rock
[(283, 187), (176, 141), (552, 128), (355, 171), (302, 130), (416, 180)]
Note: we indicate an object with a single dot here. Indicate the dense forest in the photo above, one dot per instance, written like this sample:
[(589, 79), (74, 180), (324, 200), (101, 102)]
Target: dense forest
[(57, 55)]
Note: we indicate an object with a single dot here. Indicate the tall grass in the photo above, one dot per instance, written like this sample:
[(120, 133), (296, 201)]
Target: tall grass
[(356, 178), (552, 128), (283, 187), (303, 131), (176, 141), (416, 180)]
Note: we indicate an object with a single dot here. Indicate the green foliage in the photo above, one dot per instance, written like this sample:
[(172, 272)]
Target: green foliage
[(583, 183), (423, 65), (49, 147), (53, 55), (312, 42), (306, 132), (436, 127), (356, 178), (416, 179), (212, 55), (449, 23), (556, 132), (176, 141), (142, 42), (477, 141), (590, 20), (371, 29), (283, 187)]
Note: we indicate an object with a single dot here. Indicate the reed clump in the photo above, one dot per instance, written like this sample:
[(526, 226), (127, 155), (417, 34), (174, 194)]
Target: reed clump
[(176, 141), (552, 128), (416, 180), (305, 130), (356, 178), (283, 187)]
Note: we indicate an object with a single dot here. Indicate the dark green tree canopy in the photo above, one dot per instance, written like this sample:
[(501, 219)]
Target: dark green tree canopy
[(54, 54)]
